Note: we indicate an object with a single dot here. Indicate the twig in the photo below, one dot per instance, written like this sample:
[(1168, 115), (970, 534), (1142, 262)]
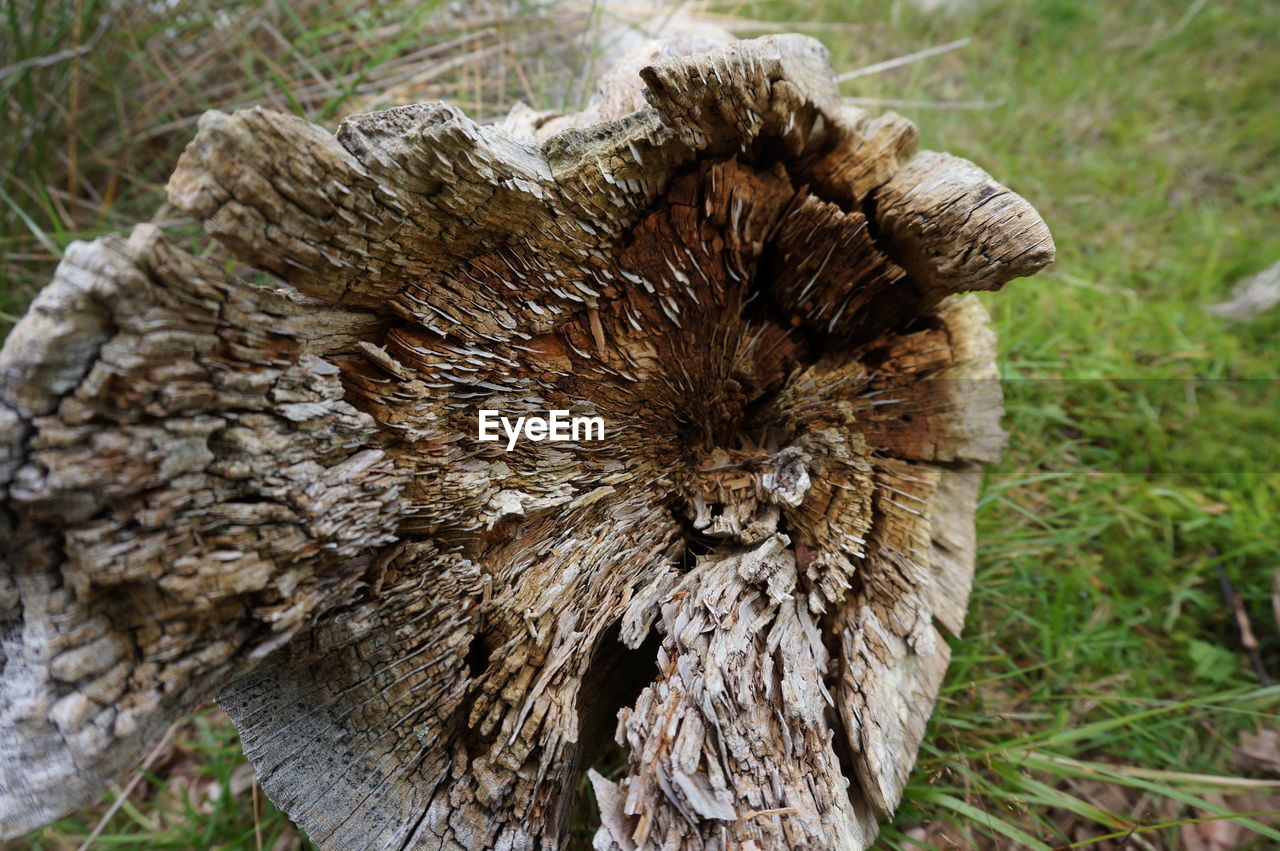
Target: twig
[(1243, 623), (903, 60), (44, 61), (257, 816), (73, 110), (128, 788)]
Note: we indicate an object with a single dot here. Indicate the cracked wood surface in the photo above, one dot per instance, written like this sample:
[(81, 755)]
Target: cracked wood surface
[(275, 495)]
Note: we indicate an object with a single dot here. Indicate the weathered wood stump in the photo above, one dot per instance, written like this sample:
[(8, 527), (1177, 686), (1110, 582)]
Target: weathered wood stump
[(277, 495)]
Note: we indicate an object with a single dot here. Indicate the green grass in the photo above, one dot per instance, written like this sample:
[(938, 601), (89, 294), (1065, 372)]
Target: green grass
[(200, 795), (1099, 649)]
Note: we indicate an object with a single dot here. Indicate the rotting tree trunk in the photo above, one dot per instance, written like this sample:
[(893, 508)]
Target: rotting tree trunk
[(277, 495)]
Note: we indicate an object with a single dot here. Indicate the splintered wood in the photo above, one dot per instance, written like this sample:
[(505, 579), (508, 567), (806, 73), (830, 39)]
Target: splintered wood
[(276, 496)]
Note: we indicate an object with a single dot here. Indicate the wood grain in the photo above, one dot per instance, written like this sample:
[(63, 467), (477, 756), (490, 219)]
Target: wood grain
[(275, 494)]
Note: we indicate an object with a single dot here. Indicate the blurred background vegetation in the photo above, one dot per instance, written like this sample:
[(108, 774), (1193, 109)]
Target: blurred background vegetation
[(1105, 693)]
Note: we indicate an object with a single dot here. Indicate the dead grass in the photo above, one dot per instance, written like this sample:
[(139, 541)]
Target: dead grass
[(99, 97)]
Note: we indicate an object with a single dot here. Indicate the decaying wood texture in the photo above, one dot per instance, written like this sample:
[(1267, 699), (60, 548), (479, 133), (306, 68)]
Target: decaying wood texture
[(275, 495)]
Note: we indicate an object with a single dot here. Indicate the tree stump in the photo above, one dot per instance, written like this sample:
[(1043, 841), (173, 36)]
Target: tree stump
[(277, 495)]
